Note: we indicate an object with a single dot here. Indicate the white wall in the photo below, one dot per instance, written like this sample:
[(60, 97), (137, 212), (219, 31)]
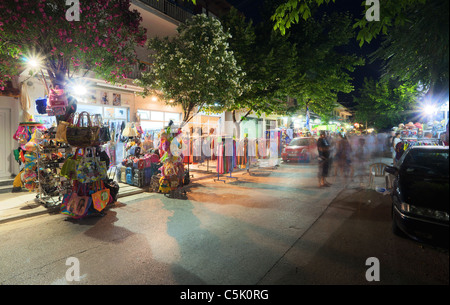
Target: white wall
[(13, 104)]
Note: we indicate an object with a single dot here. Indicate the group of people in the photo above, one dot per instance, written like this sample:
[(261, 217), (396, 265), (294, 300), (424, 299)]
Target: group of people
[(346, 155)]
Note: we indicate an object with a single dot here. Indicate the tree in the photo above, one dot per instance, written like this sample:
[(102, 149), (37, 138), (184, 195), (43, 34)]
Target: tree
[(415, 33), (103, 41), (268, 60), (324, 66), (417, 49), (384, 104), (290, 12), (196, 69)]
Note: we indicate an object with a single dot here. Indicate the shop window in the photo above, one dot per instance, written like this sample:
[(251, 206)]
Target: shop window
[(175, 117), (157, 116), (143, 114), (149, 125)]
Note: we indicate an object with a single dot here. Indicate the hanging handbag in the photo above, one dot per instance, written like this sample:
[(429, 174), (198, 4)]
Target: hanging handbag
[(91, 169), (104, 134), (74, 204), (103, 131), (101, 197), (113, 187), (69, 168), (82, 136), (86, 169), (41, 105), (57, 102), (61, 130), (130, 130)]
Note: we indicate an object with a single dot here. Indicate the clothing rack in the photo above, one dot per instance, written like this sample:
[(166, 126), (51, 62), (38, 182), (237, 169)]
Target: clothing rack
[(222, 159)]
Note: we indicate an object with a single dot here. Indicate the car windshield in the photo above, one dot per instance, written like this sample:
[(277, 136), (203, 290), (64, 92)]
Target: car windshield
[(300, 142), (429, 161)]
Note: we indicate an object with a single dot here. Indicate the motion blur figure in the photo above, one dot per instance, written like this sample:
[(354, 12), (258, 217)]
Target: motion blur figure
[(323, 147)]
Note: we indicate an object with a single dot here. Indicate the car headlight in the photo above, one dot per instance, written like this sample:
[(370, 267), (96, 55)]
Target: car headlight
[(409, 208)]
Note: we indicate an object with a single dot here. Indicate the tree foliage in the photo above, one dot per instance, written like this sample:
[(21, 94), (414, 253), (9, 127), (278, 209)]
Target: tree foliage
[(384, 104), (268, 60), (103, 41), (415, 33), (324, 66), (196, 69), (305, 64), (417, 49)]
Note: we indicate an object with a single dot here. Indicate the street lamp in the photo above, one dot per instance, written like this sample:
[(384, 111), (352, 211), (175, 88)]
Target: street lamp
[(429, 109), (34, 61)]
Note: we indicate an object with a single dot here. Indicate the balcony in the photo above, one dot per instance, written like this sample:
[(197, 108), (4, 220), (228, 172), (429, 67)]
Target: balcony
[(170, 9), (138, 68)]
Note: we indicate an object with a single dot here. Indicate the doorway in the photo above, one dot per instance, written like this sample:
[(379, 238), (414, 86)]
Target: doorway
[(5, 143)]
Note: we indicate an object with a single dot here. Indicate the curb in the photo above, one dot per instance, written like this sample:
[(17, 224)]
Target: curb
[(41, 209)]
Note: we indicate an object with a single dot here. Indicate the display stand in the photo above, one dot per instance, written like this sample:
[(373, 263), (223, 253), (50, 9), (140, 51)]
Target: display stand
[(51, 189)]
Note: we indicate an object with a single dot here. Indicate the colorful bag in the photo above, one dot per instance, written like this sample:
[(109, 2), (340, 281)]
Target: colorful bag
[(148, 161), (90, 169), (113, 187), (100, 198), (75, 205), (41, 105), (69, 168), (57, 102), (82, 136), (61, 132), (22, 134), (164, 185)]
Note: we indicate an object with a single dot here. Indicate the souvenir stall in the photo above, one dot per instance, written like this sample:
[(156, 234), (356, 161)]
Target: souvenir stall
[(70, 158), (413, 134), (172, 174), (91, 190), (27, 155), (142, 159)]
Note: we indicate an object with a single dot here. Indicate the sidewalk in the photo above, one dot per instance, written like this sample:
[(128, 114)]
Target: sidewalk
[(15, 206)]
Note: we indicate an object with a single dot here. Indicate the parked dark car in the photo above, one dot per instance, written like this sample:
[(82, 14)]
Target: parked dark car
[(420, 194), (300, 149)]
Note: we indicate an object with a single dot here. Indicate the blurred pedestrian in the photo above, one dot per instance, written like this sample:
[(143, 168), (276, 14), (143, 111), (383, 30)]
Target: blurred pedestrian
[(343, 157), (360, 158), (395, 141), (323, 147)]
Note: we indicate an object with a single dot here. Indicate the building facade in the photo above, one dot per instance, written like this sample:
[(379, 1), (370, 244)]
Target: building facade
[(116, 104)]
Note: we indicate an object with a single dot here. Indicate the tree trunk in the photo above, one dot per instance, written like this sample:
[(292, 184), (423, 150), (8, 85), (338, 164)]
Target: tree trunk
[(237, 125)]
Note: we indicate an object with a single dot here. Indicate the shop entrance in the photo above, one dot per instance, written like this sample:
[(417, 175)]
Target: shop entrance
[(5, 140)]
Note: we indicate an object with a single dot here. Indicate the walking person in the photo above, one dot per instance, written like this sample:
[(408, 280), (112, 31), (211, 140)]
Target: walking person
[(343, 157), (323, 147), (395, 141)]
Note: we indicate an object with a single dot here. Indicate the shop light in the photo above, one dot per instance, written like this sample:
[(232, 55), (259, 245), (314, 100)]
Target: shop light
[(429, 109), (80, 89), (33, 61)]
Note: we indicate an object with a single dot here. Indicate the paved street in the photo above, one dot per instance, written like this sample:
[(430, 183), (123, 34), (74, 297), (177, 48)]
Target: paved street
[(273, 227)]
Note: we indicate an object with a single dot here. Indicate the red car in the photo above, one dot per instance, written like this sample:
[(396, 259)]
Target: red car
[(300, 149)]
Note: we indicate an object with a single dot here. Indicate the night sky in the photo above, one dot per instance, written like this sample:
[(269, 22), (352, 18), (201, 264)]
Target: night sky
[(251, 10)]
